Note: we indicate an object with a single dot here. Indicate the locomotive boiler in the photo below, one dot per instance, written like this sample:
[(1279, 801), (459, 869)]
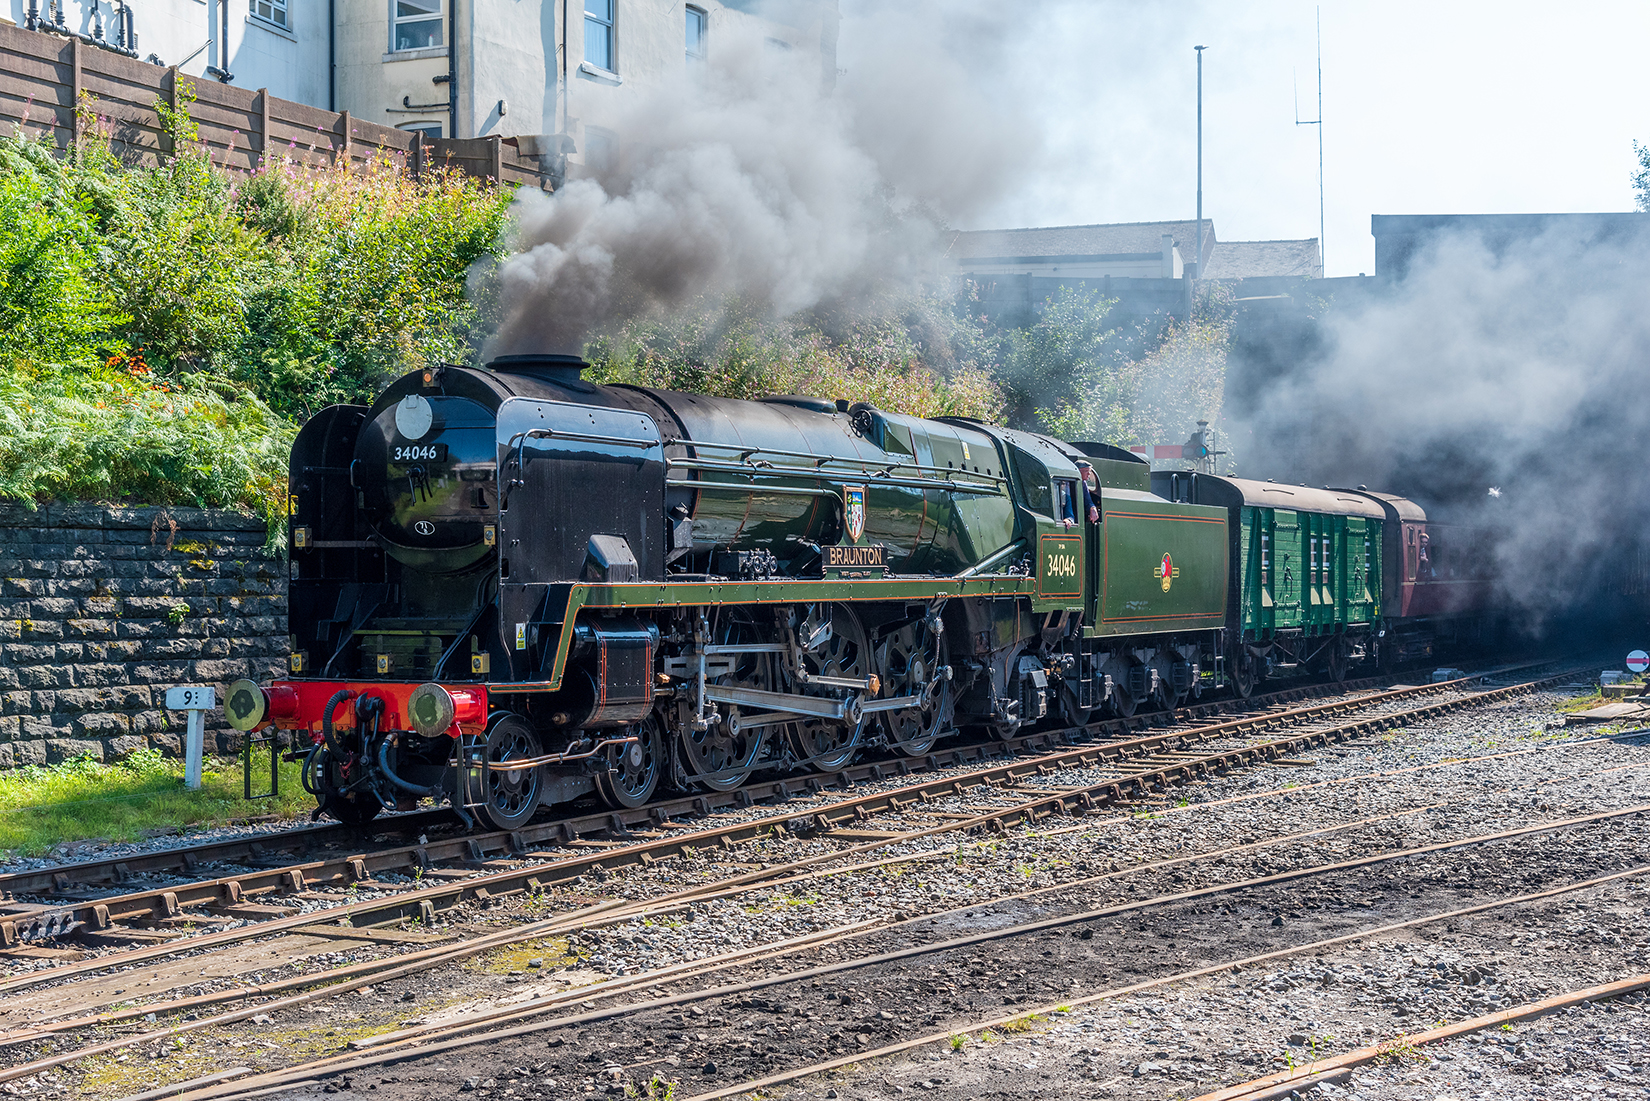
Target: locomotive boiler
[(513, 587)]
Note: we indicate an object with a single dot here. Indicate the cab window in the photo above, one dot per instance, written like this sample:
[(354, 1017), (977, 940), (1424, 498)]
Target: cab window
[(1036, 491), (1066, 499)]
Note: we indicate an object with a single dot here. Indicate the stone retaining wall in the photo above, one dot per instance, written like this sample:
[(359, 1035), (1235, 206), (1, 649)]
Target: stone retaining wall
[(103, 608)]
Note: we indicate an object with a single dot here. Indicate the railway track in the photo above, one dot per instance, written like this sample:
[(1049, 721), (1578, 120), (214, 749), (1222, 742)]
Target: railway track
[(785, 875), (64, 880), (467, 867), (421, 1043), (1128, 768)]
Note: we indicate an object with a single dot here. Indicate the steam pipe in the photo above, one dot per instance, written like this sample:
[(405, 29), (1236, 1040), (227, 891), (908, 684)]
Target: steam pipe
[(986, 564)]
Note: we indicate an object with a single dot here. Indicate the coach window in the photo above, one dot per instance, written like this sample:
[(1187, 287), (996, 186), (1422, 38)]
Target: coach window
[(1410, 562), (418, 24), (598, 35)]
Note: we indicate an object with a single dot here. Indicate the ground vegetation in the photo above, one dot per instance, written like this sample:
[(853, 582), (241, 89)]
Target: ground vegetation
[(43, 807), (164, 328)]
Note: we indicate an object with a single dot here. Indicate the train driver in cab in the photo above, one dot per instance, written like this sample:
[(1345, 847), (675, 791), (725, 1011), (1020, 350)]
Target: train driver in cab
[(1091, 491)]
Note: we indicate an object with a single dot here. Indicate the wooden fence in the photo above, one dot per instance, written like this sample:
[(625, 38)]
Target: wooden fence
[(43, 78)]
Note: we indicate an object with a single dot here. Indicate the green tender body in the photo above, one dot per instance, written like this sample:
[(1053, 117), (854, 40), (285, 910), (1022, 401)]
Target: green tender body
[(1161, 566)]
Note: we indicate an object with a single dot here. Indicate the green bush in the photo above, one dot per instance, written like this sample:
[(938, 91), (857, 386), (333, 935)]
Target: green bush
[(164, 327), (719, 349), (52, 304), (102, 433)]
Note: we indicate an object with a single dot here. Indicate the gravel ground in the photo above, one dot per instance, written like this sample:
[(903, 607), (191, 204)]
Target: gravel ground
[(1177, 1040)]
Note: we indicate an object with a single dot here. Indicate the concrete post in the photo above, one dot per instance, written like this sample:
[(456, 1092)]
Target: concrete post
[(194, 748)]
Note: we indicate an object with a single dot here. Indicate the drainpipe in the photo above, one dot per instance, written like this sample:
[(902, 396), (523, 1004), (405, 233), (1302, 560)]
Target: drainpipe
[(452, 68), (332, 55)]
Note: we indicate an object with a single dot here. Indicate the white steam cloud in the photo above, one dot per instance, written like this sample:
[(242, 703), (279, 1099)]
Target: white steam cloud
[(1506, 386), (756, 180)]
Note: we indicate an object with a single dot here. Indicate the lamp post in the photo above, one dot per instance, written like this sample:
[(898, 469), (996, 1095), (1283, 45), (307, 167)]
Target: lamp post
[(1197, 253)]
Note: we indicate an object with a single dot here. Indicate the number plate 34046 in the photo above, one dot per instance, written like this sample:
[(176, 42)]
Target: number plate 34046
[(418, 453)]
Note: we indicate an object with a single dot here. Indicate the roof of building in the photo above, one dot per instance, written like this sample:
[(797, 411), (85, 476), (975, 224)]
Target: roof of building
[(1251, 259), (1114, 240)]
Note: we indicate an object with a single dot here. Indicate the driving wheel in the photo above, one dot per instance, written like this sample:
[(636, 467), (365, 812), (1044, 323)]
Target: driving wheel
[(723, 755), (508, 796), (910, 661), (830, 744)]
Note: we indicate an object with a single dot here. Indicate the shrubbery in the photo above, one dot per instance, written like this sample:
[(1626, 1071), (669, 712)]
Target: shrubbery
[(877, 357), (164, 329)]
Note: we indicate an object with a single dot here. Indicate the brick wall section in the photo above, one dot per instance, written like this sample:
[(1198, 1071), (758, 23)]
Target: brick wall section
[(103, 608)]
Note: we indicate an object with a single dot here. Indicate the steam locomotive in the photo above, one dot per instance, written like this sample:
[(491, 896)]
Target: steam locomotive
[(511, 587)]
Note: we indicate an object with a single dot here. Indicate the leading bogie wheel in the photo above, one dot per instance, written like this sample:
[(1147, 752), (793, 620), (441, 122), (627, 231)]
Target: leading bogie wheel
[(507, 796), (634, 770), (1243, 675)]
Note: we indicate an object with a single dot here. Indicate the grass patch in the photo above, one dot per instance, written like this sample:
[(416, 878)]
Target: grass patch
[(45, 806), (135, 1070), (1585, 702), (513, 958), (1021, 1024)]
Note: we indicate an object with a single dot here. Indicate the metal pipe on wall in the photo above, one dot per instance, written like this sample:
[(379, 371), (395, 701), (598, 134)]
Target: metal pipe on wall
[(452, 68)]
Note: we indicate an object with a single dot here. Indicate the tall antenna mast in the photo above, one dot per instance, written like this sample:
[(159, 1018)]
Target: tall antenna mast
[(1318, 122)]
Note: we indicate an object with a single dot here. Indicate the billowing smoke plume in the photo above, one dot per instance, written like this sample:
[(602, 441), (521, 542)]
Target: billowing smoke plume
[(1505, 385), (764, 178)]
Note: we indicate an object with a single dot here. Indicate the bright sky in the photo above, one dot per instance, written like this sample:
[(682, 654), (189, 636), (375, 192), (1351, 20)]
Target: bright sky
[(1438, 107)]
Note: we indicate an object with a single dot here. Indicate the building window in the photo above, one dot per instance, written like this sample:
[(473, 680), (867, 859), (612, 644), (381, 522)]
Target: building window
[(598, 34), (698, 23), (271, 11), (417, 24)]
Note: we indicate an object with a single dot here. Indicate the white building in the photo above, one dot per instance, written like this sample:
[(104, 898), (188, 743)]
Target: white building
[(1137, 250), (556, 71), (274, 44)]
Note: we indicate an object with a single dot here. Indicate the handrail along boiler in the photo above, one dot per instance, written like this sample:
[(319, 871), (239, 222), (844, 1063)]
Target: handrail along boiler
[(512, 587)]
